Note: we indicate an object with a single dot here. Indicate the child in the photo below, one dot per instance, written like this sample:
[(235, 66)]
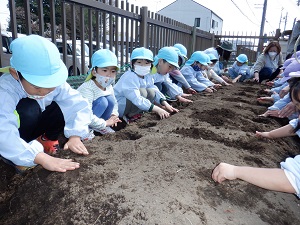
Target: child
[(135, 90), (176, 75), (192, 72), (239, 70), (211, 73), (98, 90), (222, 53), (282, 107), (286, 179), (37, 105), (163, 80)]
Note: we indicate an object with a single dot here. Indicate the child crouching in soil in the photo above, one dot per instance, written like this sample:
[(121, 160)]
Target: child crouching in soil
[(37, 105), (99, 92), (135, 90), (286, 179)]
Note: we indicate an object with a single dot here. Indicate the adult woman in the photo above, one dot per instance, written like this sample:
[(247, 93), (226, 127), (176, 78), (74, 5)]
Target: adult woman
[(268, 64)]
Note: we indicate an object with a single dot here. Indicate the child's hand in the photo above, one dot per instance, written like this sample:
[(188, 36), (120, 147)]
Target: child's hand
[(209, 90), (161, 112), (262, 134), (234, 80), (283, 92), (55, 164), (274, 113), (182, 99), (287, 111), (75, 145), (170, 108), (191, 91), (186, 95), (223, 172), (217, 86), (270, 83), (112, 121)]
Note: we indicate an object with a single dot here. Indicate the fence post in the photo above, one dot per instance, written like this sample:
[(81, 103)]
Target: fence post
[(213, 39), (196, 22), (143, 27)]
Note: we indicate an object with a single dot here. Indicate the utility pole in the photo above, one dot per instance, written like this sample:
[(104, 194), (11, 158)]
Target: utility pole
[(280, 18), (262, 27), (285, 20)]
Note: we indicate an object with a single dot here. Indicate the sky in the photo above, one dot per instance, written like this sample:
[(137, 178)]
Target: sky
[(240, 16)]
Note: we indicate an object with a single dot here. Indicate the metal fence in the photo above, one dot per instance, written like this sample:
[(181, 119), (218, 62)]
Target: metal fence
[(116, 25)]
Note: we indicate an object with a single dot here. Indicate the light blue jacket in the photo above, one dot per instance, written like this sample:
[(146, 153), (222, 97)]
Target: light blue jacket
[(192, 77), (281, 103), (75, 110), (217, 68), (128, 87), (172, 89), (236, 70)]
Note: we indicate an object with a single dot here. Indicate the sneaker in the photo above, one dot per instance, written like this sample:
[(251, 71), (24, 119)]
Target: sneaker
[(50, 147), (131, 119), (89, 136), (106, 130), (22, 169)]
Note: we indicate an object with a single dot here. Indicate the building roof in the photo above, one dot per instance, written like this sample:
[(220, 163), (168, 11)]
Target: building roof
[(194, 2)]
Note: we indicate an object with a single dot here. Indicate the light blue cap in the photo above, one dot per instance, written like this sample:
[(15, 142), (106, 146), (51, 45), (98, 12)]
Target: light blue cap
[(141, 53), (198, 56), (39, 61), (207, 59), (182, 49), (212, 56), (169, 54), (242, 58), (104, 58)]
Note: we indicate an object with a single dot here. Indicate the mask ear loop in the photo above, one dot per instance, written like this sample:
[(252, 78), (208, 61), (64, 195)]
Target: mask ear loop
[(295, 48)]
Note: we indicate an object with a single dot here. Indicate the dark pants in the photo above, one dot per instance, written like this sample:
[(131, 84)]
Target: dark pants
[(34, 122), (267, 74), (161, 87)]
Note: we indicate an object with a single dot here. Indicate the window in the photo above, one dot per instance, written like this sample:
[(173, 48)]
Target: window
[(214, 24)]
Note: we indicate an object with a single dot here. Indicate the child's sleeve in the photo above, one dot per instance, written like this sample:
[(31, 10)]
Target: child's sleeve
[(13, 147), (76, 110), (291, 167), (180, 78), (191, 79), (132, 93)]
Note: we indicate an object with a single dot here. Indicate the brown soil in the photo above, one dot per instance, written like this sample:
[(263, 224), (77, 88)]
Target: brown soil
[(159, 171)]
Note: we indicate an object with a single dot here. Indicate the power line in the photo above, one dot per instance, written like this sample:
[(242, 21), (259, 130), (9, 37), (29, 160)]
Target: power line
[(244, 13), (250, 9)]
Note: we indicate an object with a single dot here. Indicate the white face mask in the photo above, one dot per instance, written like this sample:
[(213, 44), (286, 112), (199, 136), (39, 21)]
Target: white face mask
[(272, 54), (104, 81), (142, 70)]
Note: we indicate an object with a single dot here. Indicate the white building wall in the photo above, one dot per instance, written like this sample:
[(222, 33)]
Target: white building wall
[(218, 24), (185, 11)]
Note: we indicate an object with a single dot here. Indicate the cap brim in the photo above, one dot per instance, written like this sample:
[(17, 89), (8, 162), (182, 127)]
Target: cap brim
[(101, 65), (174, 64), (142, 57), (51, 81), (294, 74), (226, 49)]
